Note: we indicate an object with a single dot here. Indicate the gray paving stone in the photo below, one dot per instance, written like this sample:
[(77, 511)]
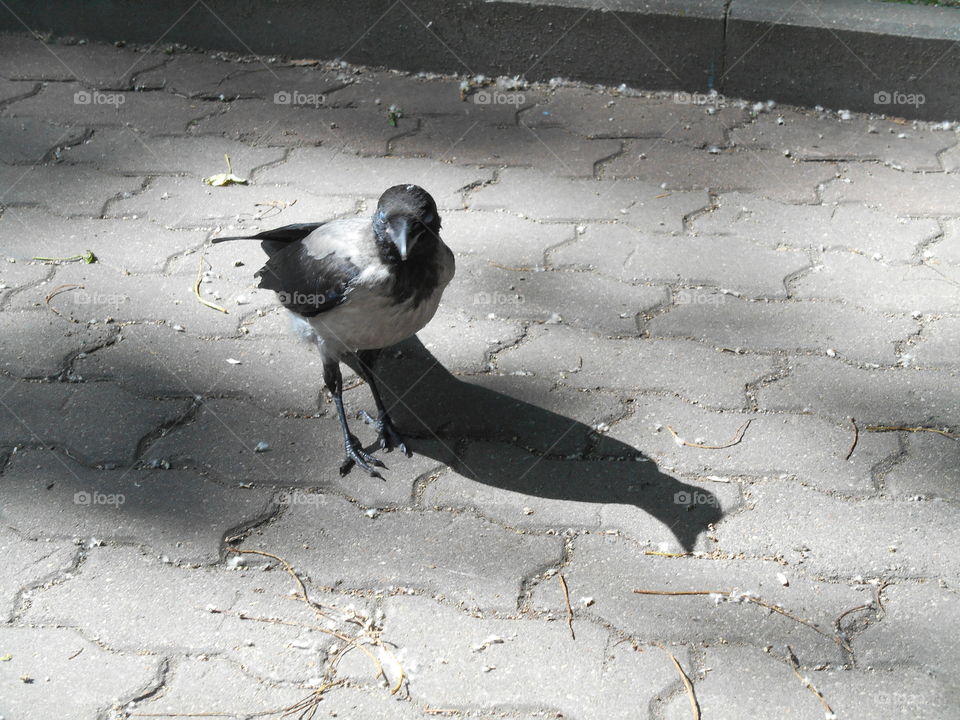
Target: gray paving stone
[(462, 343), (464, 140), (418, 97), (503, 237), (94, 64), (39, 344), (939, 345), (67, 675), (174, 513), (24, 141), (892, 288), (582, 360), (680, 167), (542, 196), (420, 550), (808, 447), (188, 74), (947, 250), (134, 246), (931, 467), (13, 90), (15, 276), (63, 189), (368, 177), (745, 682), (529, 671), (832, 536), (593, 114), (608, 569), (528, 491), (631, 255), (811, 327), (157, 361), (850, 227), (303, 452), (898, 396), (912, 633), (97, 424), (266, 123), (826, 137), (29, 563), (194, 685), (581, 299), (209, 601), (895, 191), (125, 152), (72, 106), (105, 293), (185, 202)]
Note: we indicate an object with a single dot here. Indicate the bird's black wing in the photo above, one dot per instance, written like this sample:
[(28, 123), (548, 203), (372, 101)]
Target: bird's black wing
[(305, 283), (273, 241)]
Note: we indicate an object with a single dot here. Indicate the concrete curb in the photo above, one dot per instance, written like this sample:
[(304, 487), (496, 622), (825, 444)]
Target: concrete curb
[(861, 55)]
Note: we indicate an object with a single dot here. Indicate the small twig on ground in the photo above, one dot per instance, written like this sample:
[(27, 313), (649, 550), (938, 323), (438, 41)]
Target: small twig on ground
[(566, 598), (87, 256), (795, 666), (691, 695), (856, 436), (664, 554), (56, 291), (738, 436), (507, 267), (900, 428), (196, 290)]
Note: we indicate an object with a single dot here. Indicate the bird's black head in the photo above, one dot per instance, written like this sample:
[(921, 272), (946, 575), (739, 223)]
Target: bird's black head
[(406, 214)]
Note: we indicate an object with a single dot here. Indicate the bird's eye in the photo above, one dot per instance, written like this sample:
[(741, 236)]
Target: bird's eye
[(427, 219)]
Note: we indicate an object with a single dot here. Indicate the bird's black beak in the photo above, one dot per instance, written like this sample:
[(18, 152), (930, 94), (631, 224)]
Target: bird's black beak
[(400, 235)]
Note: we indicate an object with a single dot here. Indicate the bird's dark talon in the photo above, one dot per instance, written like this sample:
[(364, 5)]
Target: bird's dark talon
[(356, 455), (389, 438)]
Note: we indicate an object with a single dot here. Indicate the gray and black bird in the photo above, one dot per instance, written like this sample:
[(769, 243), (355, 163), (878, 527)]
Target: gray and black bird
[(357, 285)]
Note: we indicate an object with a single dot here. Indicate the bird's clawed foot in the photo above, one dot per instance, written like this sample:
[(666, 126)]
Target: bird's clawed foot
[(388, 435), (356, 455)]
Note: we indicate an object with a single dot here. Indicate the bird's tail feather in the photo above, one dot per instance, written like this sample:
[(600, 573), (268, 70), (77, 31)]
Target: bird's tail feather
[(285, 234)]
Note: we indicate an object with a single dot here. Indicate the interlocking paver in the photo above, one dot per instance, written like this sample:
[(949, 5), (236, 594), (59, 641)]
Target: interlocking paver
[(638, 203), (609, 568), (408, 549), (73, 106), (174, 513), (827, 137), (30, 562), (873, 537), (939, 343), (528, 670), (588, 113), (896, 191), (54, 671), (98, 425), (947, 249), (813, 327), (127, 245), (810, 448), (582, 360), (891, 288), (680, 167), (745, 682), (931, 467), (63, 189), (27, 140), (464, 140), (40, 345), (632, 255), (503, 237), (887, 396), (13, 90), (576, 298), (851, 227)]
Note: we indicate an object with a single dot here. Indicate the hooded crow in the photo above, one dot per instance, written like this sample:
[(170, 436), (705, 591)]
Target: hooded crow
[(357, 285)]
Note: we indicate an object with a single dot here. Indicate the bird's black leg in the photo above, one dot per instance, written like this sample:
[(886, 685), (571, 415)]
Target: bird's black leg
[(351, 444), (389, 437)]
